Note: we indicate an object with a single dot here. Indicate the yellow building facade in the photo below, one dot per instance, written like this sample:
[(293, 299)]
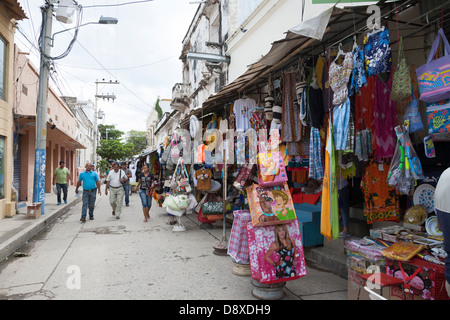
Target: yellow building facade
[(10, 12)]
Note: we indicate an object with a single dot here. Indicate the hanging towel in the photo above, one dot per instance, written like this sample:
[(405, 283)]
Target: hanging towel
[(329, 222)]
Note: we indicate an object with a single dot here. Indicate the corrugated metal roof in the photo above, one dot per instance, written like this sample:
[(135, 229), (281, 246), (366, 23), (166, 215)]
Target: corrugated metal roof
[(13, 9)]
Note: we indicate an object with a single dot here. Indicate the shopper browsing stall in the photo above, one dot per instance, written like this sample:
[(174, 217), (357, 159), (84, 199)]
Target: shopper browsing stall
[(146, 186)]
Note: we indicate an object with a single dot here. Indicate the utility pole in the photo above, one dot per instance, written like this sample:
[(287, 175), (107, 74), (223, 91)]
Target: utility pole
[(41, 112), (103, 96)]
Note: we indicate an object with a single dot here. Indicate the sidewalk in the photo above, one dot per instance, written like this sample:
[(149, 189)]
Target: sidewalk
[(17, 230)]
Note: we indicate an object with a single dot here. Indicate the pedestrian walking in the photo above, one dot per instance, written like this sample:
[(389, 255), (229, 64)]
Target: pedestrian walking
[(61, 177), (442, 209), (126, 185), (91, 183), (114, 180), (146, 186)]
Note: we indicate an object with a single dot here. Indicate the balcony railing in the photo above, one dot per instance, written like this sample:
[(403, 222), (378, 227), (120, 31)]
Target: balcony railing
[(180, 96)]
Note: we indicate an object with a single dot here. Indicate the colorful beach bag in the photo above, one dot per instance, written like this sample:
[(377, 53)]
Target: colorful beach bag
[(270, 205), (434, 76), (271, 169), (276, 252), (438, 116)]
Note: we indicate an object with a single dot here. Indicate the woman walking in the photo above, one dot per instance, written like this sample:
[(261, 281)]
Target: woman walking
[(145, 186)]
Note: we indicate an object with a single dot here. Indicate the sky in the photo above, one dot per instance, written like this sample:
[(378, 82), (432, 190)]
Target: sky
[(141, 52)]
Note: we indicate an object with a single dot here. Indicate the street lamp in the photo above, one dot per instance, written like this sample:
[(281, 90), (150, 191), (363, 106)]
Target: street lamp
[(102, 20), (46, 41)]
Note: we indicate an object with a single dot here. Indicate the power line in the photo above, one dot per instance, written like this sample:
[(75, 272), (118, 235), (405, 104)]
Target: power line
[(122, 68), (116, 5)]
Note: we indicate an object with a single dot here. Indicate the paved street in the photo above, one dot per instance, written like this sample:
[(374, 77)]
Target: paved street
[(129, 259)]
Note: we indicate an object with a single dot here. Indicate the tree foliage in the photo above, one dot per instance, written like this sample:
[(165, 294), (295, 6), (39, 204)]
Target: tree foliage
[(138, 139), (112, 148), (110, 131), (158, 109), (115, 150)]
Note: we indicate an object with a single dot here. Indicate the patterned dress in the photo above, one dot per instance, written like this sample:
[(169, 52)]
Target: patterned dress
[(286, 268), (380, 200)]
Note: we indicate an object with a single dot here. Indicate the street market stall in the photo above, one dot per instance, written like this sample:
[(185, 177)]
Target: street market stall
[(348, 115)]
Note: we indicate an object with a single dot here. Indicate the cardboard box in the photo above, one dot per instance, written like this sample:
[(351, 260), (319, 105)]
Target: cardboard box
[(34, 210)]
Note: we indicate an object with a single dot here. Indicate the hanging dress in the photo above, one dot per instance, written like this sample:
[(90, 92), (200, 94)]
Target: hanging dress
[(338, 77), (377, 53), (380, 200), (291, 126), (286, 268), (385, 112)]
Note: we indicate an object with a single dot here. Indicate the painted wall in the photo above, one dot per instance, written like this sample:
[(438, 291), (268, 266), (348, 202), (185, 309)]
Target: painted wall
[(7, 204)]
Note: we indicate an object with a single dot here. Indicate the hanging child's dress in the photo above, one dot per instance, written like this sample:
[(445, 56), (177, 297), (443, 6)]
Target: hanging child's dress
[(380, 200), (377, 53)]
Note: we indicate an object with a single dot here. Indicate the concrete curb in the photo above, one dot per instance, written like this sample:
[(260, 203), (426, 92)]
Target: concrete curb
[(9, 246)]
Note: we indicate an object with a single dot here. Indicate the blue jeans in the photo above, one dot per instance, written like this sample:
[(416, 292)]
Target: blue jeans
[(60, 186), (146, 200), (444, 223), (89, 197), (344, 195), (126, 188)]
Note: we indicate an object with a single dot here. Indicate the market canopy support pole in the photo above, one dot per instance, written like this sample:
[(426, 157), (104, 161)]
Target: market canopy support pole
[(221, 248)]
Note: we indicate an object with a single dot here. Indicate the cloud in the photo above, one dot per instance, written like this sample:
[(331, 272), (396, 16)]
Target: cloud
[(148, 35)]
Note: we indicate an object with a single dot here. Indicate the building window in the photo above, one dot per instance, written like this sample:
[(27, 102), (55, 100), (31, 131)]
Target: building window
[(246, 8), (2, 67), (2, 167)]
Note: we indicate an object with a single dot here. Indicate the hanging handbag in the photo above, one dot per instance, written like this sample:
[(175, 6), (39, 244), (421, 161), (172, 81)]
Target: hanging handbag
[(271, 169), (184, 179), (401, 82), (174, 151), (415, 119), (433, 76), (176, 202), (212, 206)]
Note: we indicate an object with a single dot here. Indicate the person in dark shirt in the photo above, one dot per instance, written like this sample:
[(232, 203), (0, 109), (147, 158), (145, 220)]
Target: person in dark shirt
[(146, 187)]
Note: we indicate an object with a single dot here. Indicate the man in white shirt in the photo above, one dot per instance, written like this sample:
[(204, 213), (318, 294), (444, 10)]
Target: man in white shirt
[(114, 180), (442, 208)]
